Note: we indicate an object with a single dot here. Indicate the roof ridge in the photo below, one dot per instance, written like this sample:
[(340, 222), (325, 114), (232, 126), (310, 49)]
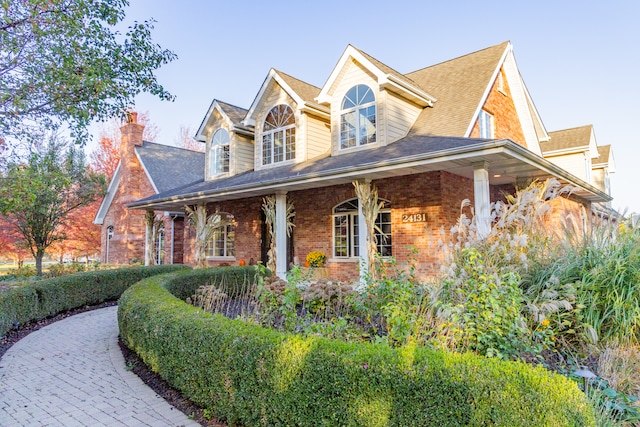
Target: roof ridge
[(572, 128), (171, 146), (295, 78), (229, 104), (460, 57)]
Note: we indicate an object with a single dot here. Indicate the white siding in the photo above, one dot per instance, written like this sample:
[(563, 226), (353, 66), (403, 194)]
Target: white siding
[(572, 163), (242, 153), (400, 116), (598, 179), (318, 136)]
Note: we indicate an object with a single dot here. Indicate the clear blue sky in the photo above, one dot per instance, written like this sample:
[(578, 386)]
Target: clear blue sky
[(579, 59)]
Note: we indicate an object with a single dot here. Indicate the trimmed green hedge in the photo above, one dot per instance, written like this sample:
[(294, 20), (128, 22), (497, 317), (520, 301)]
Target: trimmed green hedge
[(249, 375), (48, 297), (232, 280)]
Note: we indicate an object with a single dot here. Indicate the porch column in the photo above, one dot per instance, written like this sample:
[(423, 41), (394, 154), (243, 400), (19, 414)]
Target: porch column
[(482, 198), (148, 236), (281, 234), (363, 244)]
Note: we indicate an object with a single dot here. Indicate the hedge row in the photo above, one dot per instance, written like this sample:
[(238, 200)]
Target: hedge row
[(253, 376), (232, 280), (48, 297)]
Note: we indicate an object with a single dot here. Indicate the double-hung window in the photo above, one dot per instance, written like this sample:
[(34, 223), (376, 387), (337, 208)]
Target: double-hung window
[(486, 125), (279, 135), (222, 242), (219, 153), (358, 117), (346, 230)]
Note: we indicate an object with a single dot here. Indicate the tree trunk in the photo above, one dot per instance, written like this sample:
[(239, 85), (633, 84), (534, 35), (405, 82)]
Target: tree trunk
[(39, 256)]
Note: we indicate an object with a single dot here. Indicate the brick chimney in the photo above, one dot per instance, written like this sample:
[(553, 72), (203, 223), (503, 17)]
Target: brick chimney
[(131, 170)]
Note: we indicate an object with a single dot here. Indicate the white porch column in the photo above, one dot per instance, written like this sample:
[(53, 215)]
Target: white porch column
[(147, 241), (363, 244), (281, 234), (482, 198)]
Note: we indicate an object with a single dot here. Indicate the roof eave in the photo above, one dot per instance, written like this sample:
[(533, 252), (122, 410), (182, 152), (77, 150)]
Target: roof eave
[(476, 151)]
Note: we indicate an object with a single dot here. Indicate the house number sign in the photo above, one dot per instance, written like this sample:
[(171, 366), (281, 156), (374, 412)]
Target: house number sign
[(416, 217)]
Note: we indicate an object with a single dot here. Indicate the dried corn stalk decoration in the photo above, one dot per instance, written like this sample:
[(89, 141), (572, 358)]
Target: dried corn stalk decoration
[(368, 198), (205, 227), (154, 224), (269, 209)]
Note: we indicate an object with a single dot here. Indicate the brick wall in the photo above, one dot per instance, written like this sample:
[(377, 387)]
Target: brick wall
[(500, 105)]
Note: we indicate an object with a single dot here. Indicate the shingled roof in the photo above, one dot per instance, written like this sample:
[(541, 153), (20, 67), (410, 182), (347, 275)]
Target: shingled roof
[(170, 167), (567, 139), (306, 91), (235, 114), (459, 85)]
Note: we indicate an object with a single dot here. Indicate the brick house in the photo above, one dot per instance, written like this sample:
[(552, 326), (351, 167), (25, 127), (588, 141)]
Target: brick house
[(462, 129), (145, 169)]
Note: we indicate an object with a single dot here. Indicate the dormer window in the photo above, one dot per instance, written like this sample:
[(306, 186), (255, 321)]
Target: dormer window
[(279, 135), (486, 125), (219, 153), (358, 117)]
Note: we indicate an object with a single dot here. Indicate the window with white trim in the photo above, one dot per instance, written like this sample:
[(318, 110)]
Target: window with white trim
[(279, 135), (219, 153), (346, 229), (485, 122), (358, 117), (222, 242)]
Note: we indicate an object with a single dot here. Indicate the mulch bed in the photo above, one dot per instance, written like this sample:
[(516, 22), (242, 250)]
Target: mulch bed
[(150, 378)]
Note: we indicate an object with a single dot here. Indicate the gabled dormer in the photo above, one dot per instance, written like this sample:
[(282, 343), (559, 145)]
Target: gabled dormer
[(572, 149), (229, 144), (290, 127), (371, 104)]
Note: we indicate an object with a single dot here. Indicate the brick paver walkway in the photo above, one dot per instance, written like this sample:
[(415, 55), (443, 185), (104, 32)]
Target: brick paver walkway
[(72, 373)]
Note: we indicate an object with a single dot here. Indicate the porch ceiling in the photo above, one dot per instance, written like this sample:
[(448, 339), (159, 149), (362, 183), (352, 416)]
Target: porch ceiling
[(507, 162)]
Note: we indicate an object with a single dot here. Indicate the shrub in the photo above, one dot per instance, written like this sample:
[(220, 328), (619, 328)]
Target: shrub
[(48, 297), (480, 311), (250, 375)]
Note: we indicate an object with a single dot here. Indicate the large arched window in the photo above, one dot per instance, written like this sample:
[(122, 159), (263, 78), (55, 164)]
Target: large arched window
[(346, 229), (222, 242), (219, 153), (279, 135), (358, 117)]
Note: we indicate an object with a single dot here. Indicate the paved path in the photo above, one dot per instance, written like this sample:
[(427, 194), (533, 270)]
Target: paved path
[(72, 373)]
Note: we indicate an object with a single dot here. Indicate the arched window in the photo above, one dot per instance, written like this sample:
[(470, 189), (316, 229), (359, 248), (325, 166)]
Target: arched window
[(346, 229), (358, 117), (219, 153), (279, 135), (222, 242)]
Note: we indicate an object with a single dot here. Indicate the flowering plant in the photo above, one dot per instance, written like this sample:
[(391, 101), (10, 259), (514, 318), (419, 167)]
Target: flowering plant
[(316, 259)]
